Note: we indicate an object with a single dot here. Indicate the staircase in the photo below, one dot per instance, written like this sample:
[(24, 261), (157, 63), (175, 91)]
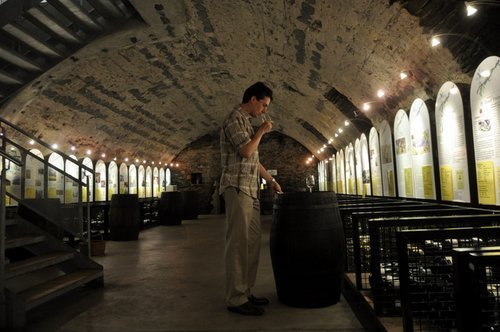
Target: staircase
[(40, 268), (39, 261)]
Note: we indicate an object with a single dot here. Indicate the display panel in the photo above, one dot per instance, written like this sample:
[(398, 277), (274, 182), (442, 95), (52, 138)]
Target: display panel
[(402, 147), (34, 175), (485, 115), (100, 181), (112, 179), (452, 149), (375, 169), (421, 151), (387, 160), (55, 186), (365, 166)]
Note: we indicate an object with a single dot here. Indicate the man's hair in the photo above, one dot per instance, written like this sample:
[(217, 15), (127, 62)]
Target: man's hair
[(259, 90)]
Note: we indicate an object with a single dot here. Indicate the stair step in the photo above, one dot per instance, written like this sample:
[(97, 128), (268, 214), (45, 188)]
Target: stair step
[(23, 241), (10, 222), (40, 294), (36, 263)]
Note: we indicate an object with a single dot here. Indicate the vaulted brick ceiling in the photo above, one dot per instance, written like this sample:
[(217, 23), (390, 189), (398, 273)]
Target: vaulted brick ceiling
[(166, 73)]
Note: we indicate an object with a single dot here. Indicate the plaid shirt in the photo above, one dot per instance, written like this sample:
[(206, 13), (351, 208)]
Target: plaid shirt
[(238, 172)]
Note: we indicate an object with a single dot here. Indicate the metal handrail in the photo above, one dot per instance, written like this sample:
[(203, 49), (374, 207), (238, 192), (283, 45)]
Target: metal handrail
[(83, 171), (48, 146)]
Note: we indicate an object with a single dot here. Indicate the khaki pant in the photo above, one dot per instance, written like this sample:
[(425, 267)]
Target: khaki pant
[(243, 241)]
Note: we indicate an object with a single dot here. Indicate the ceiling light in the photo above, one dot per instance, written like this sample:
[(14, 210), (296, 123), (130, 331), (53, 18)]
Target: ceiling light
[(54, 146), (471, 10), (380, 93), (32, 142), (341, 130), (336, 135), (403, 75), (485, 73), (103, 155), (126, 160), (435, 41), (73, 148), (89, 152), (366, 106), (346, 123)]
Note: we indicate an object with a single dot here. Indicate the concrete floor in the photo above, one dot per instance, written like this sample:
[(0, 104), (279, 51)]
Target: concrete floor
[(172, 279)]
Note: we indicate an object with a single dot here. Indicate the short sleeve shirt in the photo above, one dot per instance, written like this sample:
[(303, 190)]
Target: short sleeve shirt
[(238, 172)]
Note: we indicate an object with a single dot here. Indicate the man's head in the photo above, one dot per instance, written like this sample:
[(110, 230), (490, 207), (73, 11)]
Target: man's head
[(257, 98)]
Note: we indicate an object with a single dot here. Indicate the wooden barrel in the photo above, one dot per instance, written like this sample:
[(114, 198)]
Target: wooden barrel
[(124, 221), (190, 204), (307, 249), (170, 208)]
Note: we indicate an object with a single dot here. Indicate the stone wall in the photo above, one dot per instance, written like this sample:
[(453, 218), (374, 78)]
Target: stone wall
[(277, 151)]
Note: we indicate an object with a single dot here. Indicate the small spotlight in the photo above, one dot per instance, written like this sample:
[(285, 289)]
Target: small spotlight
[(366, 106), (403, 75), (89, 152), (55, 146), (435, 41), (485, 73), (380, 93), (471, 10), (32, 142)]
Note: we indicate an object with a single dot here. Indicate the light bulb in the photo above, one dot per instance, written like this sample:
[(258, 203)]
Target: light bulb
[(435, 41), (471, 10)]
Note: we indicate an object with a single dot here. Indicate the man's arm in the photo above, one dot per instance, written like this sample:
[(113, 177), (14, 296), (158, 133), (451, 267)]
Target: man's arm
[(274, 185), (246, 150)]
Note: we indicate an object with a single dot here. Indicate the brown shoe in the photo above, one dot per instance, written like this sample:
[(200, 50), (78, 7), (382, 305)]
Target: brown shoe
[(258, 300), (247, 309)]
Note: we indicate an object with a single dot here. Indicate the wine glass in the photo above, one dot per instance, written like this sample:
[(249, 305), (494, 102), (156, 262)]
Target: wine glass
[(310, 182), (265, 117)]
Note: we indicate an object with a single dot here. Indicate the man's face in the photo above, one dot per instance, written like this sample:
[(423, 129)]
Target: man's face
[(259, 106)]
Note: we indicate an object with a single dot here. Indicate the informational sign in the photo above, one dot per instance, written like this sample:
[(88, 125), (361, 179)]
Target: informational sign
[(132, 177), (100, 181), (35, 175), (452, 149), (375, 168), (485, 115), (386, 159), (149, 182), (156, 182), (162, 181), (358, 170), (123, 179), (365, 166), (341, 189), (112, 179), (421, 151), (141, 181), (333, 172), (71, 186), (402, 148), (88, 179), (55, 186), (350, 174)]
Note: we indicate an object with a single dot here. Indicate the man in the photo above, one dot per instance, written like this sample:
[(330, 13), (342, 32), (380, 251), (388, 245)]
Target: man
[(239, 183)]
